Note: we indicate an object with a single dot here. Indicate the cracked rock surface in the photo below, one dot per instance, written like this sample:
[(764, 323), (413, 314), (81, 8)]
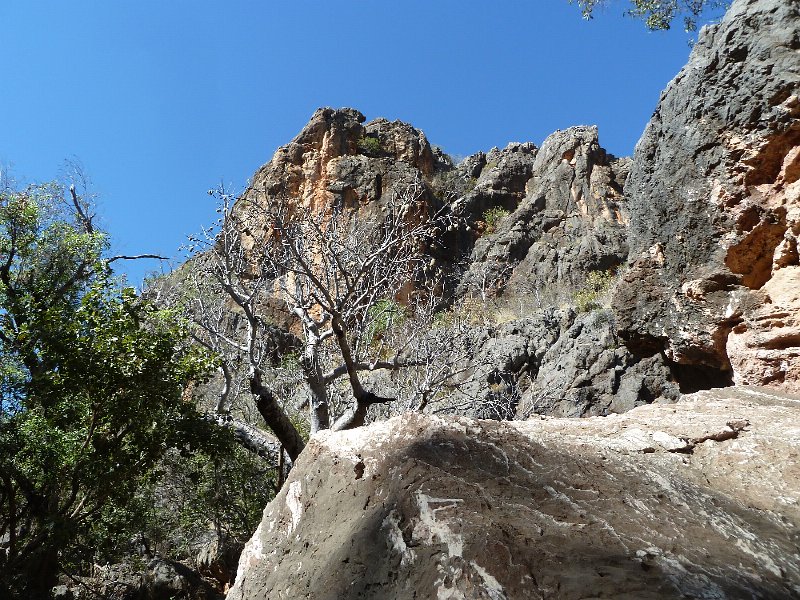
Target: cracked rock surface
[(697, 499), (714, 202)]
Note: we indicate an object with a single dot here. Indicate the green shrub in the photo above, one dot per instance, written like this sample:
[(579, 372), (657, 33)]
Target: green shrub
[(590, 296), (383, 316), (370, 146), (224, 490), (493, 216)]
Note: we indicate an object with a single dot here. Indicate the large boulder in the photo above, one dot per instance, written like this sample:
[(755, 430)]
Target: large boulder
[(699, 499), (714, 200)]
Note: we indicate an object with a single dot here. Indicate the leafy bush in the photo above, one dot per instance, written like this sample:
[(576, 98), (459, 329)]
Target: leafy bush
[(590, 296), (223, 489), (383, 316), (91, 391), (493, 216), (370, 146)]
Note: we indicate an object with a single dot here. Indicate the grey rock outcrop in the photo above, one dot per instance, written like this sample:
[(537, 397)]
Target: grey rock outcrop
[(714, 205), (561, 363), (566, 217), (571, 220), (160, 579), (665, 501), (588, 371)]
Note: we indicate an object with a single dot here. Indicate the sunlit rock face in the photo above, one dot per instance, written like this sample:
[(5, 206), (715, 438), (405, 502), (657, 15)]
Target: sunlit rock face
[(695, 499), (714, 202), (560, 213), (571, 218)]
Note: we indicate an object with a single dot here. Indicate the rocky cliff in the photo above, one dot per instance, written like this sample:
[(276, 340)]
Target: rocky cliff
[(690, 499), (700, 227), (714, 202), (560, 215), (697, 499)]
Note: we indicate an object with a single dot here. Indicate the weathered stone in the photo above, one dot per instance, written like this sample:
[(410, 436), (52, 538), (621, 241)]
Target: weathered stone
[(403, 142), (715, 208), (571, 220), (62, 592), (557, 362), (665, 501), (218, 559), (588, 371)]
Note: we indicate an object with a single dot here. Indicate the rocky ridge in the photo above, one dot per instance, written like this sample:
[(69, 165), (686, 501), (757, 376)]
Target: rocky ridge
[(701, 226), (564, 216), (694, 498)]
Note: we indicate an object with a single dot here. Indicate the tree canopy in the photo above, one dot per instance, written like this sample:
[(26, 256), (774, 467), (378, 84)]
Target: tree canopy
[(91, 388)]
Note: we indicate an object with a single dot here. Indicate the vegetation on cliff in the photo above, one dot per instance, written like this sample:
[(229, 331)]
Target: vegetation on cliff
[(659, 14)]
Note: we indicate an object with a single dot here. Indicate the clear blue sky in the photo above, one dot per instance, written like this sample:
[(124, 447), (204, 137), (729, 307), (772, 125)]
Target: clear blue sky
[(162, 100)]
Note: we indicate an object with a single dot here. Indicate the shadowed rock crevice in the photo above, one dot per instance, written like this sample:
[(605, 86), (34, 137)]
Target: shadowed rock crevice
[(693, 378)]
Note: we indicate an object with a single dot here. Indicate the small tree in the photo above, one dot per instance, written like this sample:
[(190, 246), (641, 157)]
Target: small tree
[(340, 276), (91, 387)]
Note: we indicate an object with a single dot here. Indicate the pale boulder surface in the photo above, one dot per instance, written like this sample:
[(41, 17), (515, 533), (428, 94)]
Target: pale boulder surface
[(697, 499)]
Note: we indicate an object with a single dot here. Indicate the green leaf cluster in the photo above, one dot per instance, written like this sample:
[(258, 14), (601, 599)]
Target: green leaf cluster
[(493, 216), (91, 390), (596, 287), (382, 316), (370, 146), (223, 491), (660, 14)]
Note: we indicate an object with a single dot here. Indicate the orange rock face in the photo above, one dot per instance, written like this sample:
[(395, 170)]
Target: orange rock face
[(764, 348)]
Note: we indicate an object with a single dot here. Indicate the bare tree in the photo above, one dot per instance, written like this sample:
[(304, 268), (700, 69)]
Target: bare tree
[(357, 291)]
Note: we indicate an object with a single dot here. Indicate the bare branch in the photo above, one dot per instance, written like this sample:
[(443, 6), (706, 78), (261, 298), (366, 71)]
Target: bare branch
[(80, 209), (136, 257)]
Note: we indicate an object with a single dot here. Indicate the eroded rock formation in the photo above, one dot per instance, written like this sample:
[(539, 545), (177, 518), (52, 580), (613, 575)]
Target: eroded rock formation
[(571, 220), (338, 162), (715, 208), (565, 217), (695, 499)]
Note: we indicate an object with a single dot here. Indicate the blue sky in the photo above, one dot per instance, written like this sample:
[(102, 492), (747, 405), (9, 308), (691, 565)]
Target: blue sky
[(162, 100)]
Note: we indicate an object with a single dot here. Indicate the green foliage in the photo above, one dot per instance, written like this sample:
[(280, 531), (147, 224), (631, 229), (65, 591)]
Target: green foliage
[(443, 319), (91, 389), (382, 317), (222, 488), (590, 296), (371, 146), (493, 216), (660, 14), (290, 361)]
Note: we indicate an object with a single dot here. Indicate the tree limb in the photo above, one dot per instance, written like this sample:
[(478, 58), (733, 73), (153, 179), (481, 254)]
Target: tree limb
[(135, 257)]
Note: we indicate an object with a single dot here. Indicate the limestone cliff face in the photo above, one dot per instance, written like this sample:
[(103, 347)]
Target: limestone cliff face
[(571, 220), (697, 498), (706, 216), (714, 199), (665, 501), (565, 216), (337, 161)]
